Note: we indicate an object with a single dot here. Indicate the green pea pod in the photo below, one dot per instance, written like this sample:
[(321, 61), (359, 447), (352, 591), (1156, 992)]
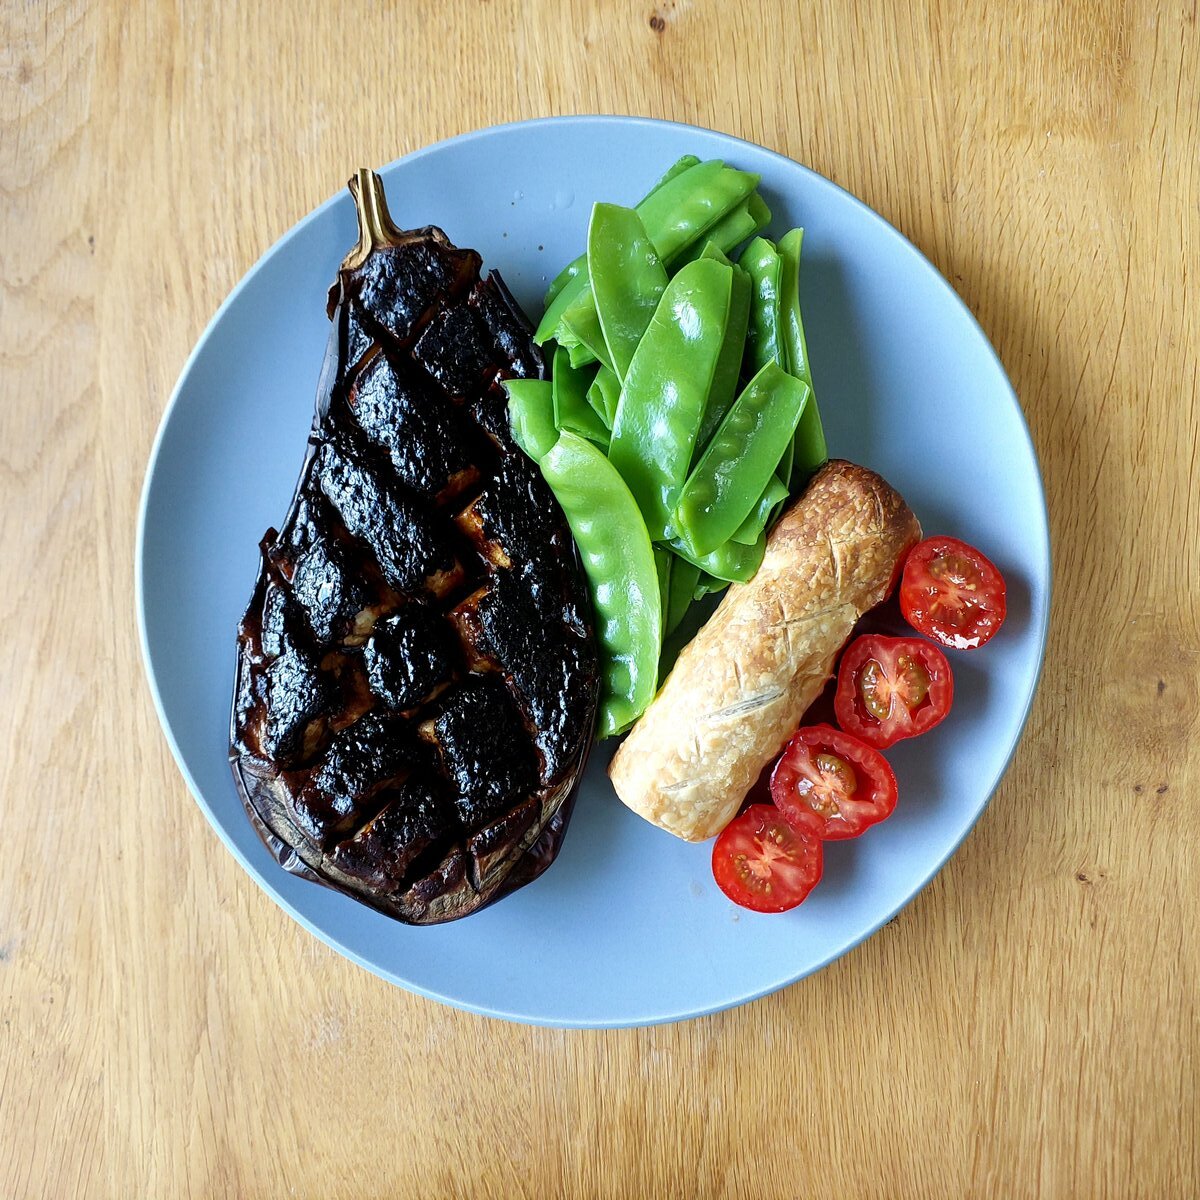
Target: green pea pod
[(750, 217), (581, 356), (729, 366), (810, 448), (675, 215), (531, 415), (666, 389), (730, 562), (693, 585), (619, 562), (604, 394), (564, 277), (685, 162), (708, 585), (663, 560), (684, 577), (628, 279), (713, 251), (774, 494), (685, 208), (579, 330), (572, 288), (760, 214), (572, 412), (786, 468), (739, 462), (570, 283), (795, 351), (763, 344)]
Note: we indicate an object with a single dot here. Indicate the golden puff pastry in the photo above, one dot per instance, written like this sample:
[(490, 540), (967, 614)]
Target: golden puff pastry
[(740, 687)]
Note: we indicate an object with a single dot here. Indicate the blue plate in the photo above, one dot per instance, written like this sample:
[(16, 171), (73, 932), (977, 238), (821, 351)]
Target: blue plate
[(627, 927)]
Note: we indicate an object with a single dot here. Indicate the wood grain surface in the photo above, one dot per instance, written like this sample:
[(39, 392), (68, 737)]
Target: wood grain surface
[(1027, 1027)]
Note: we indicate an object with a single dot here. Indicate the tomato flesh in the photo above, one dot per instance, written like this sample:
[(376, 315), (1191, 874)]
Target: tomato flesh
[(952, 593), (891, 688), (880, 691), (831, 784), (762, 863)]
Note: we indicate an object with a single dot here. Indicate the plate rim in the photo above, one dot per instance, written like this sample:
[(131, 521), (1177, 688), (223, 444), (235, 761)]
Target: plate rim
[(1040, 614)]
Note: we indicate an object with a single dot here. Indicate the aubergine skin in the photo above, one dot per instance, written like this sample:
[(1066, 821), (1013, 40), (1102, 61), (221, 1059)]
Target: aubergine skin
[(417, 675)]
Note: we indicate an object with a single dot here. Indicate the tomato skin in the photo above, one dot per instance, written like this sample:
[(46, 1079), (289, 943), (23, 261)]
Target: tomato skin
[(761, 863), (913, 689), (951, 592), (804, 788)]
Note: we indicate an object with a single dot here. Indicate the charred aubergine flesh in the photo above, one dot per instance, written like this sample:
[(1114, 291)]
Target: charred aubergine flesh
[(417, 677)]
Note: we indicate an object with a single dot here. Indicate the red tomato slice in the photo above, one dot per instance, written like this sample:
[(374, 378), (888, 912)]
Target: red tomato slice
[(952, 593), (891, 688), (832, 784), (762, 863)]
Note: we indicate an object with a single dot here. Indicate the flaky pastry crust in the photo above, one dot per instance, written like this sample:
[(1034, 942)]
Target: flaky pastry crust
[(740, 687)]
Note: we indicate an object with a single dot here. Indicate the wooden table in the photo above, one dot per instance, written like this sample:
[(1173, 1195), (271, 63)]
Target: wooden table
[(1027, 1027)]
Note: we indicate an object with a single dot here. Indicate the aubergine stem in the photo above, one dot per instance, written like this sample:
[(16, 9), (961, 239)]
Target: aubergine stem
[(376, 230)]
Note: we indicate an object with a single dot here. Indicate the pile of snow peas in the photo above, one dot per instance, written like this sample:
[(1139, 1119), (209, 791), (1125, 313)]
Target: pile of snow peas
[(679, 416)]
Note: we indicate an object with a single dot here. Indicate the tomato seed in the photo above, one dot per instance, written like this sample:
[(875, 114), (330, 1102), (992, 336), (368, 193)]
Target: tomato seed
[(956, 569)]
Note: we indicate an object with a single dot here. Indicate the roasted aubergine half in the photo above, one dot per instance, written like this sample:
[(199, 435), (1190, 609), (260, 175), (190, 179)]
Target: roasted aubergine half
[(417, 675)]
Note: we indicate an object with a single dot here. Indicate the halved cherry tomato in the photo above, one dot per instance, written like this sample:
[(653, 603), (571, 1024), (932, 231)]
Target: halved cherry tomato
[(762, 863), (832, 784), (952, 593), (892, 688)]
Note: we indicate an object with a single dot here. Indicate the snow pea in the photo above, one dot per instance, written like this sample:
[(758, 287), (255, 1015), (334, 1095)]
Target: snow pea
[(580, 331), (809, 448), (564, 277), (707, 585), (735, 469), (794, 348), (684, 577), (786, 467), (713, 251), (774, 494), (531, 415), (619, 562), (663, 560), (604, 394), (609, 316), (729, 366), (666, 389), (581, 355), (763, 343), (789, 273), (759, 213), (574, 286), (675, 215), (628, 279), (685, 162), (750, 217), (570, 283), (572, 411), (730, 562), (685, 208)]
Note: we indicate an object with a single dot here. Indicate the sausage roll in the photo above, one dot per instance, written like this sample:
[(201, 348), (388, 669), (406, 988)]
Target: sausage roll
[(740, 687)]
